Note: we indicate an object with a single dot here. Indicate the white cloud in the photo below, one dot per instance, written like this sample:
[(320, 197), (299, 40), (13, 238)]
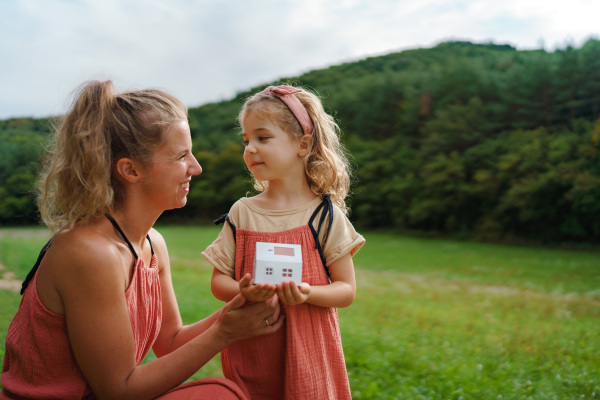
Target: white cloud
[(205, 50)]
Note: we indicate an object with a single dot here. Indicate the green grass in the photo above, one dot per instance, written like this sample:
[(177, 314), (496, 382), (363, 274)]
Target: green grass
[(433, 319)]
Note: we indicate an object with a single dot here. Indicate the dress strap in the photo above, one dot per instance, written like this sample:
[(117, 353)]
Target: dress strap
[(327, 208), (118, 228), (34, 269), (223, 218)]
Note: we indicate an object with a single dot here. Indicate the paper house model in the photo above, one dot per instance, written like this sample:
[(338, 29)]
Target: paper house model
[(277, 262)]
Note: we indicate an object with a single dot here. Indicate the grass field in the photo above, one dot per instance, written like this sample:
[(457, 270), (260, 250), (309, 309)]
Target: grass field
[(433, 319)]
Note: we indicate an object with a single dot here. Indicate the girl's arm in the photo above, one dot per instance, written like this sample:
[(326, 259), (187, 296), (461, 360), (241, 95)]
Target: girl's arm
[(339, 293), (91, 283), (224, 287)]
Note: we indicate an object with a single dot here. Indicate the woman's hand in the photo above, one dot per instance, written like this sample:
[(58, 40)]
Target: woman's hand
[(258, 292), (237, 321), (291, 294)]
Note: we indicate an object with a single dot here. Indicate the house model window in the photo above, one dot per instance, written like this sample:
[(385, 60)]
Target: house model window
[(283, 251), (277, 262)]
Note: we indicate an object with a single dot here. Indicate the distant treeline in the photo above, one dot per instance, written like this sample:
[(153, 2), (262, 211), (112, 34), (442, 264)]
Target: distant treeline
[(475, 139)]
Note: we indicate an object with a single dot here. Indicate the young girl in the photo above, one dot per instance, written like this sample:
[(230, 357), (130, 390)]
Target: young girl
[(293, 151)]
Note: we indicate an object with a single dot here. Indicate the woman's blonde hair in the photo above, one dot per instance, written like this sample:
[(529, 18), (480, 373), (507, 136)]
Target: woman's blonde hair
[(77, 184), (326, 165)]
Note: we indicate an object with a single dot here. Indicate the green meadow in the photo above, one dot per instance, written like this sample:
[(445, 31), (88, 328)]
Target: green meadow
[(432, 319)]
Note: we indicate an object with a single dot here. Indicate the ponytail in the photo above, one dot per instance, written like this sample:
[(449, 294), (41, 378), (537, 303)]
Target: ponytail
[(76, 184)]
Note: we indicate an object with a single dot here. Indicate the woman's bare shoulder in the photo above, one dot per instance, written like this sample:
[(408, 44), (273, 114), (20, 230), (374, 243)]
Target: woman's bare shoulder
[(79, 261), (90, 249)]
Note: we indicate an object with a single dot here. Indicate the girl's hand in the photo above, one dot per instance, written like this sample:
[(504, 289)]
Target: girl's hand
[(256, 293), (291, 294)]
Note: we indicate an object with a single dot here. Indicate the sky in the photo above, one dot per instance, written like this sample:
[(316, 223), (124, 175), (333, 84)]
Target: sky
[(208, 50)]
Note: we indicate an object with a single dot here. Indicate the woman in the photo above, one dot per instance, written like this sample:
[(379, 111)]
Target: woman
[(100, 295)]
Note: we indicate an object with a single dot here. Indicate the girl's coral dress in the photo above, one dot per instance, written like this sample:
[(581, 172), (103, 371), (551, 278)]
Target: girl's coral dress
[(304, 359)]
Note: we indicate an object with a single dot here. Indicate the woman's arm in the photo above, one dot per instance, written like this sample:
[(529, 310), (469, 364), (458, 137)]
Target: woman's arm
[(339, 293), (92, 290), (173, 333)]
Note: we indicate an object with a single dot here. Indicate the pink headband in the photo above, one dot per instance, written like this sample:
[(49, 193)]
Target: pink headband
[(285, 94)]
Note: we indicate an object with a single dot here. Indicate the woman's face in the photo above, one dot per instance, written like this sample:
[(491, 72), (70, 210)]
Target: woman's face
[(171, 169)]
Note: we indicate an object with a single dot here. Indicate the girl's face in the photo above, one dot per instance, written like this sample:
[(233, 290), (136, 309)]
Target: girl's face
[(270, 153), (172, 168)]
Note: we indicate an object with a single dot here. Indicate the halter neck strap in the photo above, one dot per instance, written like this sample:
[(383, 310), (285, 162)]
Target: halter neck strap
[(118, 228)]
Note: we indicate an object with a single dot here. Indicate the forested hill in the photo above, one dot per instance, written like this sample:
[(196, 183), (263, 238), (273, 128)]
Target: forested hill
[(480, 139)]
